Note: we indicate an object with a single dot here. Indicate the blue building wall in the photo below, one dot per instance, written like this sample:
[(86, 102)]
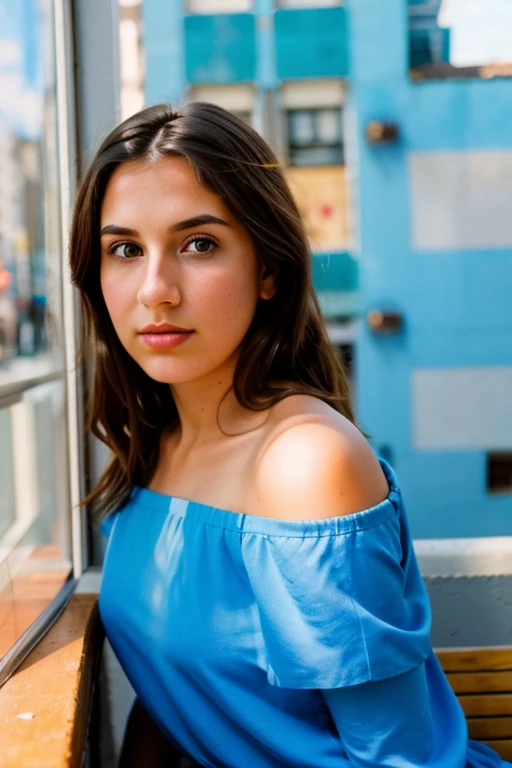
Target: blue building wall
[(454, 300)]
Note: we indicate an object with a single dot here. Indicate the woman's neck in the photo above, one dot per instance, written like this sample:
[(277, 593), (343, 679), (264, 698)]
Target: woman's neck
[(208, 409)]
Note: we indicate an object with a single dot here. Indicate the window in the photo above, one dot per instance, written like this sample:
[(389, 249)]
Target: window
[(314, 137), (460, 38), (218, 6), (499, 472), (35, 541)]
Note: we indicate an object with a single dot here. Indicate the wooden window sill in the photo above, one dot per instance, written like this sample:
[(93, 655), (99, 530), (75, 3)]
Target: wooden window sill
[(45, 705)]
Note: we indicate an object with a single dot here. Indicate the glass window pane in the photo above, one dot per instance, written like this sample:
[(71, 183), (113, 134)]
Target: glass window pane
[(328, 126), (29, 199), (315, 137), (7, 509), (34, 498), (463, 38), (301, 127), (34, 524)]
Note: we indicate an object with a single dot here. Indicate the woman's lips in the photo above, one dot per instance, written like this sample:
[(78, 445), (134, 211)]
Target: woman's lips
[(165, 339)]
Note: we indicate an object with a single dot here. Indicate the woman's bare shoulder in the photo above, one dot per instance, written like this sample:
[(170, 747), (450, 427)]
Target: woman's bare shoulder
[(314, 463)]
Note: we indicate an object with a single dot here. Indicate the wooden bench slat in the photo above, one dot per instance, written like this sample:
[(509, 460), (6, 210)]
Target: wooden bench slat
[(480, 682), (490, 727), (477, 659), (486, 704), (503, 748)]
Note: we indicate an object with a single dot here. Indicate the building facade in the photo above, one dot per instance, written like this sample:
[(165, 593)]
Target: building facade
[(398, 150)]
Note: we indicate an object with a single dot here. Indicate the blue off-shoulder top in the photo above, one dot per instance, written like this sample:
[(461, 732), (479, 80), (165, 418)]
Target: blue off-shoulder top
[(242, 635)]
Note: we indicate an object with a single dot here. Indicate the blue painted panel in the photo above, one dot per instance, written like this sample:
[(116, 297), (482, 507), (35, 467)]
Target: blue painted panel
[(335, 272), (311, 43), (220, 49)]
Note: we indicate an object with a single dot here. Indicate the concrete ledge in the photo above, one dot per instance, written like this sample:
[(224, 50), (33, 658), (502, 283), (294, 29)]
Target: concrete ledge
[(489, 556), (45, 706)]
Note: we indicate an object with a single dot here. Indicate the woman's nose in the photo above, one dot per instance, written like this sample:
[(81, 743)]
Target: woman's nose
[(160, 283)]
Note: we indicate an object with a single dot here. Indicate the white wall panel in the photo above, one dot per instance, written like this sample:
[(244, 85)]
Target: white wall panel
[(218, 6), (462, 408), (313, 94), (234, 97), (460, 200)]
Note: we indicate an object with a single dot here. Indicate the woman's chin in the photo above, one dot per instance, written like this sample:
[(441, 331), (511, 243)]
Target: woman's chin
[(165, 372)]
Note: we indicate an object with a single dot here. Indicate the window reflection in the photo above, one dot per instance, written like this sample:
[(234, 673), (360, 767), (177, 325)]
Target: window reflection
[(460, 38), (28, 184), (34, 526), (34, 499)]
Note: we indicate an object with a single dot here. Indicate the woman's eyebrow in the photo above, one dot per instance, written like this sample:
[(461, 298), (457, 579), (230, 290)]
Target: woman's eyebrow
[(113, 229), (195, 221)]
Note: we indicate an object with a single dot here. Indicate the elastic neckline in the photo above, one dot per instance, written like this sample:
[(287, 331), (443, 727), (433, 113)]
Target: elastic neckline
[(270, 526)]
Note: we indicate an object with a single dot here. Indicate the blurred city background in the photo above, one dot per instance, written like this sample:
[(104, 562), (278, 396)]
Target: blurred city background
[(393, 120)]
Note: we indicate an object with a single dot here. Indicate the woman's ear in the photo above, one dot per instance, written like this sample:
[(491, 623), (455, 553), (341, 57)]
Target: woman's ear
[(268, 283)]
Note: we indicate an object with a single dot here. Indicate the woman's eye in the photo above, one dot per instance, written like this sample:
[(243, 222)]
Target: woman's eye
[(200, 245), (126, 250)]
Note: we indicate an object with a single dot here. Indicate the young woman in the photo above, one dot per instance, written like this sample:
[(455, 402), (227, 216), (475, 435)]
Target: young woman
[(260, 588)]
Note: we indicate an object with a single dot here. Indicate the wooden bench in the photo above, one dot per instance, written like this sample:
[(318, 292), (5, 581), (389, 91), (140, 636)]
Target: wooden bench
[(482, 680)]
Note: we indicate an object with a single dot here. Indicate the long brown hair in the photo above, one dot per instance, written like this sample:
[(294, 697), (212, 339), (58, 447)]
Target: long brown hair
[(287, 340)]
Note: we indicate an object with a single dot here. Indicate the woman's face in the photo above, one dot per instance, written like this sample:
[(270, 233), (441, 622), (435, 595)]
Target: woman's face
[(173, 255)]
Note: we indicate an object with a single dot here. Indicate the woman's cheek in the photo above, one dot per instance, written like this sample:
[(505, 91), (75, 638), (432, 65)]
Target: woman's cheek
[(118, 293), (233, 312), (107, 287)]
